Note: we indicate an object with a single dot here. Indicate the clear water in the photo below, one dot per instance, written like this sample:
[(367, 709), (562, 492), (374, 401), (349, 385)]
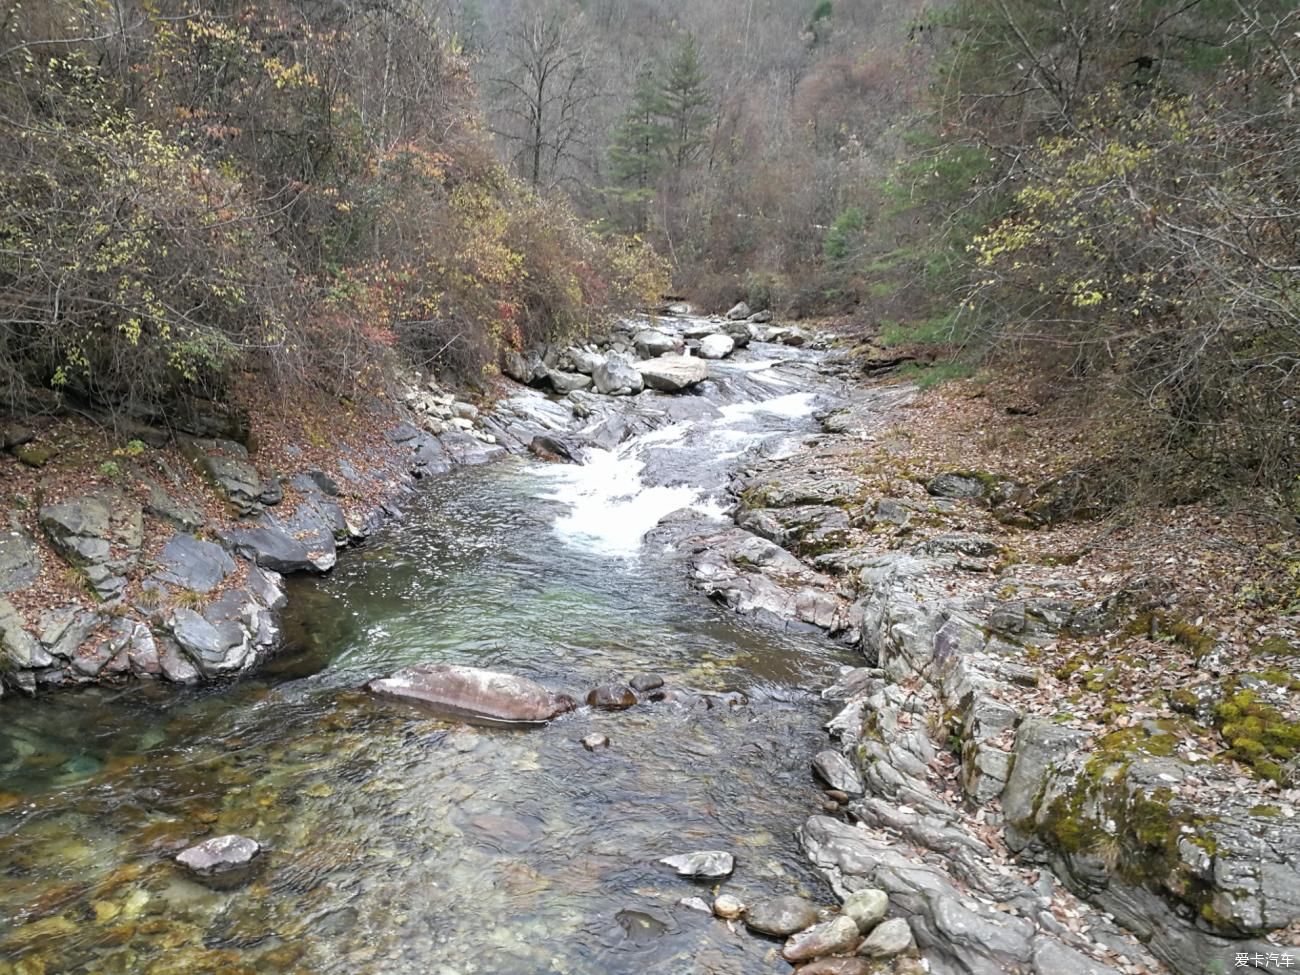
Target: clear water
[(398, 843)]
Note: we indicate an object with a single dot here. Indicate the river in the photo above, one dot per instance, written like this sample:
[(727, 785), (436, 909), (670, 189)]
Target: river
[(399, 843)]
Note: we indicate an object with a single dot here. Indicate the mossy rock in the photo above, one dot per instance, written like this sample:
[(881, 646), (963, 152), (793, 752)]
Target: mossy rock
[(1257, 733), (34, 455)]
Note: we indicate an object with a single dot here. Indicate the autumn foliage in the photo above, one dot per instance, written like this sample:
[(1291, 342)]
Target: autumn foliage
[(296, 192)]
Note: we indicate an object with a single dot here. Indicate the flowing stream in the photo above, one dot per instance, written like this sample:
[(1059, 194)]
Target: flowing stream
[(399, 843)]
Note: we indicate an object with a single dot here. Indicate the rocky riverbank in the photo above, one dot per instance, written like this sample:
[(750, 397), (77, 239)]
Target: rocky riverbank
[(1008, 742), (1010, 782), (159, 552)]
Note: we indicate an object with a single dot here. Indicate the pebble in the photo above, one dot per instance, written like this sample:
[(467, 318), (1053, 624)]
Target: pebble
[(728, 907)]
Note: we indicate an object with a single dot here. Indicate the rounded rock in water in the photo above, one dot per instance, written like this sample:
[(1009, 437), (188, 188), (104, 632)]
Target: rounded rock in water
[(646, 682), (728, 907), (781, 917), (221, 860), (592, 742), (705, 864), (611, 697)]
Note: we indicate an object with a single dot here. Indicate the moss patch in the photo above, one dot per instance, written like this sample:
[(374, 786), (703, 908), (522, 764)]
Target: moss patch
[(1276, 646), (1257, 733)]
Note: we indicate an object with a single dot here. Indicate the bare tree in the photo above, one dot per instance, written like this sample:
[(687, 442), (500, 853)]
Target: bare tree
[(543, 92)]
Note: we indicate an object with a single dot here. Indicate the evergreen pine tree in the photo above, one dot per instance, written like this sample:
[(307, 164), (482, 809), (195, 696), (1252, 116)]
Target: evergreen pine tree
[(685, 105), (637, 155)]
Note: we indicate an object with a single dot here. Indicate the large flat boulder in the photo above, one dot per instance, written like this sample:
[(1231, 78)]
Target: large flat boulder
[(193, 564), (474, 695), (673, 373)]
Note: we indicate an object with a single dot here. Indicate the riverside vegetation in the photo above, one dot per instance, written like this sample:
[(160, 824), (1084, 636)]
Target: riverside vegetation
[(1020, 491)]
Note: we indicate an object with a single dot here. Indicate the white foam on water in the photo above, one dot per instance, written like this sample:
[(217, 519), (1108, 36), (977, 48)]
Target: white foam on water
[(791, 406), (610, 507), (758, 365)]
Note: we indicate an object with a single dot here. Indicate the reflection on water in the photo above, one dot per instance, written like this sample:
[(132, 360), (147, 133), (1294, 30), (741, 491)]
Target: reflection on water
[(396, 842)]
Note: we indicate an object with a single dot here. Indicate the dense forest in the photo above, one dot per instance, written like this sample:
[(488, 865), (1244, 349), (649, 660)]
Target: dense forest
[(1107, 197)]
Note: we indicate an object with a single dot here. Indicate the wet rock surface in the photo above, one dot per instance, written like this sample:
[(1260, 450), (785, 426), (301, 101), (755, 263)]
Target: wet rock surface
[(702, 864), (780, 917), (611, 697), (223, 861), (472, 694)]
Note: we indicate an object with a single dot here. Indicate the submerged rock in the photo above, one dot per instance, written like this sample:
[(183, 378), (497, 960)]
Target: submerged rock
[(646, 682), (781, 917), (592, 742), (221, 861), (641, 927), (471, 694), (611, 697), (704, 864)]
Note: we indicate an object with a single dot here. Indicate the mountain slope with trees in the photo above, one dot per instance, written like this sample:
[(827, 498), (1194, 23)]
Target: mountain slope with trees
[(296, 194)]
